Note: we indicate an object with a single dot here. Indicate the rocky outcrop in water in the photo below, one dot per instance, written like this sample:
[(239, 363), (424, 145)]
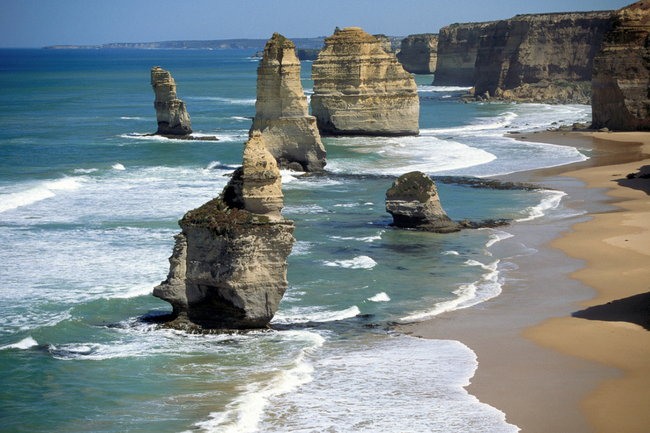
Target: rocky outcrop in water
[(413, 202), (361, 90), (170, 111), (621, 78), (457, 51), (228, 269), (540, 58), (419, 53), (290, 133)]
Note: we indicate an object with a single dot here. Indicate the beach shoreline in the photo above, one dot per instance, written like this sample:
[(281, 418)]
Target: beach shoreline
[(541, 359)]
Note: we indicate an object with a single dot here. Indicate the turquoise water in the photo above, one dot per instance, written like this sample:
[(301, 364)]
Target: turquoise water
[(89, 205)]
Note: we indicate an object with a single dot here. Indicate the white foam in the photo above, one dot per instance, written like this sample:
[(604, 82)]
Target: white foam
[(289, 175), (497, 236), (441, 89), (132, 118), (467, 295), (359, 262), (37, 193), (118, 166), (23, 344), (380, 297), (450, 253), (233, 101), (85, 170), (314, 314), (550, 200), (480, 124)]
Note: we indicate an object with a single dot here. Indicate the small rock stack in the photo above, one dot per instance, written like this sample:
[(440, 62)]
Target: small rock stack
[(170, 111)]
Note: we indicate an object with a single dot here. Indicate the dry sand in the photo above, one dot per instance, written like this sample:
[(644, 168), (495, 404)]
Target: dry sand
[(564, 348)]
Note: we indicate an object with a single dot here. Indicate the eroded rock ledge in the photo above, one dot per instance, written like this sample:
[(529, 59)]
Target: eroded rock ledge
[(228, 268)]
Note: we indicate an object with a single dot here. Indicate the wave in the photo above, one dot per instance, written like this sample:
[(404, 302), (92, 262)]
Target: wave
[(133, 118), (467, 295), (497, 236), (361, 239), (380, 297), (441, 89), (43, 191), (481, 124), (23, 344), (359, 262), (118, 166), (314, 314), (450, 253), (550, 201), (233, 101)]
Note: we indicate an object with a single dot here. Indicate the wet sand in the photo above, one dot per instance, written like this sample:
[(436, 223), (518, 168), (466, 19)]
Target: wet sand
[(546, 359)]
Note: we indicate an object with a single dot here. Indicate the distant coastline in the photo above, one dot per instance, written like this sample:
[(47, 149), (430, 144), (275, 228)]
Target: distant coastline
[(218, 44)]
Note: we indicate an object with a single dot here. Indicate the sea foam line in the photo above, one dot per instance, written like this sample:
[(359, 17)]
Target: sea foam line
[(41, 192), (550, 200)]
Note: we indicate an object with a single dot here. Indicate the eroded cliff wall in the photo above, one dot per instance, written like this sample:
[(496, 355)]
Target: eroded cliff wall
[(456, 57), (621, 76), (419, 53)]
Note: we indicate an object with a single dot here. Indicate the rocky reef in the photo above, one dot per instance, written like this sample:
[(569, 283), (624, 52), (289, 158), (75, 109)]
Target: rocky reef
[(282, 111), (359, 89), (228, 269), (621, 76), (457, 51), (170, 111), (540, 58), (419, 53), (413, 202)]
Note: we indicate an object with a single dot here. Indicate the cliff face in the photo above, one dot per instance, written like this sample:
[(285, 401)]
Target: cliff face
[(547, 52), (457, 51), (419, 53), (228, 269), (170, 111), (360, 89), (621, 78), (290, 133), (413, 202)]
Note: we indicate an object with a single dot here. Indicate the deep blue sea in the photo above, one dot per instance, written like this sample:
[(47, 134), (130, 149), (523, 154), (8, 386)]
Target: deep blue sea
[(89, 205)]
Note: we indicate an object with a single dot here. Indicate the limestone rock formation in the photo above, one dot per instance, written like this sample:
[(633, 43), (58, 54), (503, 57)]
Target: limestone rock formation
[(419, 53), (170, 111), (457, 51), (385, 42), (361, 90), (621, 78), (290, 133), (228, 269), (540, 58), (413, 202)]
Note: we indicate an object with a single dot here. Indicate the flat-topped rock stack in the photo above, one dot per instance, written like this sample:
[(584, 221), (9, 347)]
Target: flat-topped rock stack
[(228, 269), (419, 53), (282, 111), (359, 89), (621, 76), (413, 202), (170, 111)]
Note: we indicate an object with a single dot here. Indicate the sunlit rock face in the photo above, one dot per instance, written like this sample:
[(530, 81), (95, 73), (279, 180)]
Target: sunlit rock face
[(228, 269), (621, 77), (282, 111), (419, 53), (170, 111), (359, 89)]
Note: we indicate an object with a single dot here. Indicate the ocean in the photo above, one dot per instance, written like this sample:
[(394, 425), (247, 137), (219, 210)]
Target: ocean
[(89, 205)]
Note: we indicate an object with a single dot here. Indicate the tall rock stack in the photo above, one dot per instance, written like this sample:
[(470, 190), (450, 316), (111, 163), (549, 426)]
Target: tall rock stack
[(457, 51), (170, 111), (540, 58), (621, 77), (419, 53), (361, 90), (282, 116), (228, 269)]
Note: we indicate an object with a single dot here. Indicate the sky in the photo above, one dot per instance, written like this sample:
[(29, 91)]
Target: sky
[(38, 23)]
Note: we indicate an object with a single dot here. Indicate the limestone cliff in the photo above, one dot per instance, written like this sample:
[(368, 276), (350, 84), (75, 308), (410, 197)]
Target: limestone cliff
[(385, 42), (228, 269), (170, 111), (540, 58), (456, 57), (360, 89), (413, 202), (621, 78), (419, 53), (290, 133)]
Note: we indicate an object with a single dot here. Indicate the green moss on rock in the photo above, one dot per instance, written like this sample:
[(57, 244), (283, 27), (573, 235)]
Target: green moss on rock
[(220, 219), (414, 184)]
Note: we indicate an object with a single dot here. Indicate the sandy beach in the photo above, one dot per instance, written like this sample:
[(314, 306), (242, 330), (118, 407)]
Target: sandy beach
[(566, 346)]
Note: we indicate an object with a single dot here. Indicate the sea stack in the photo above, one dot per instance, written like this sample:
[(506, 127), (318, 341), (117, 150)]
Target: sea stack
[(359, 89), (170, 111), (413, 202), (457, 51), (228, 269), (282, 111), (419, 53), (620, 83)]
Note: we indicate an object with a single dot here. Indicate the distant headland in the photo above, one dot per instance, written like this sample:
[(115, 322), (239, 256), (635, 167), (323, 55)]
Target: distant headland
[(219, 44)]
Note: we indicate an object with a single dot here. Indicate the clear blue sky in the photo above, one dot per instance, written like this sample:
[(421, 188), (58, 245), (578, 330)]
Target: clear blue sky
[(37, 23)]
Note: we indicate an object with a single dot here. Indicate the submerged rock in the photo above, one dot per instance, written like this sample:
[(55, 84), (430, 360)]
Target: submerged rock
[(290, 133), (359, 89), (228, 269), (170, 111), (413, 202), (621, 94)]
